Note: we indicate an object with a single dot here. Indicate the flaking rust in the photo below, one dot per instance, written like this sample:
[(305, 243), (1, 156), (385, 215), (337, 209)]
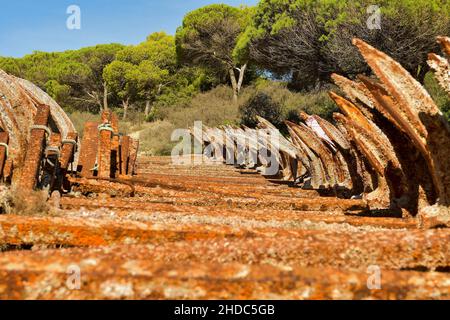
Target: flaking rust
[(390, 147), (376, 148), (441, 70), (336, 203), (311, 160), (420, 118), (124, 151), (35, 151), (133, 157), (69, 148), (115, 146), (34, 127), (88, 154), (238, 236), (39, 145), (104, 153), (227, 251)]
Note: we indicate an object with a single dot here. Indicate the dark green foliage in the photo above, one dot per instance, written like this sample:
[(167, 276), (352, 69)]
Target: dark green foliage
[(260, 104), (310, 39), (438, 94), (172, 81)]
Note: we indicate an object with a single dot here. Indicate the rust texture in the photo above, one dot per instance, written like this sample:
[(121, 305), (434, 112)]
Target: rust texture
[(115, 145), (370, 189), (88, 153), (4, 150), (419, 117), (389, 145), (104, 154), (69, 148), (33, 123), (136, 279), (38, 141), (209, 231), (125, 145), (51, 176), (133, 157), (18, 107)]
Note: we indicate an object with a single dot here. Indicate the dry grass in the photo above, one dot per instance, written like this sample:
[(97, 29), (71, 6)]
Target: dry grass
[(80, 118), (213, 108), (25, 203), (314, 102), (155, 139), (133, 124), (216, 107)]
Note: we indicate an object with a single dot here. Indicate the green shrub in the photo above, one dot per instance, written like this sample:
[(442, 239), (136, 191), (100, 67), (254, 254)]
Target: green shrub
[(291, 103), (317, 102), (260, 104), (438, 94)]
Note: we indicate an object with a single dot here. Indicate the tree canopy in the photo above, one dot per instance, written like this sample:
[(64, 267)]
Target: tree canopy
[(298, 41), (309, 39), (73, 78), (139, 72), (208, 37)]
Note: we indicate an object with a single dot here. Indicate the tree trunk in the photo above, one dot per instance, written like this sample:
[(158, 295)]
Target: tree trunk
[(241, 78), (234, 85), (147, 108), (105, 96), (125, 104)]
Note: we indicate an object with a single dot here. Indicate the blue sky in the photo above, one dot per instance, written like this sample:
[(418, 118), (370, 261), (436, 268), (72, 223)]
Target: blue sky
[(29, 25)]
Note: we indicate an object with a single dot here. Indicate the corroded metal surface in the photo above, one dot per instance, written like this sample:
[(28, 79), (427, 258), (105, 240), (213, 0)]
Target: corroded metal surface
[(445, 44), (138, 279), (68, 150), (346, 248), (61, 119), (19, 104), (10, 103), (21, 117), (115, 146), (38, 141), (133, 157), (414, 104), (441, 70), (89, 146), (125, 145), (344, 197), (389, 146), (380, 153), (419, 117), (196, 215), (104, 153)]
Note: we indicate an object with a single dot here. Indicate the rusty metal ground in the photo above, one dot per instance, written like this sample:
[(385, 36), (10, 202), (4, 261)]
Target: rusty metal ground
[(213, 231)]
